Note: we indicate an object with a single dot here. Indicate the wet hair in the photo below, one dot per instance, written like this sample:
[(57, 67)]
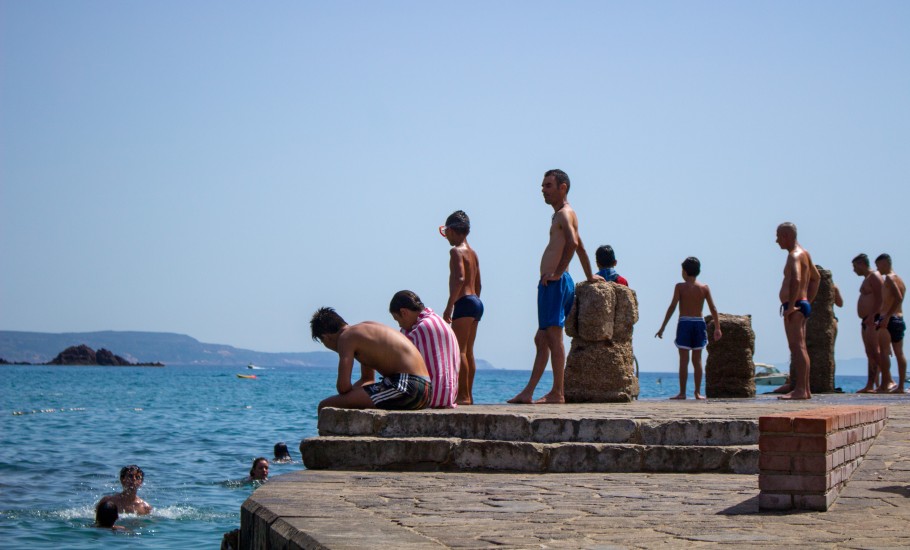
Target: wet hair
[(325, 321), (257, 461), (788, 226), (131, 469), (106, 514), (405, 299), (561, 177), (459, 222), (605, 256), (692, 266), (281, 451), (884, 258), (861, 259)]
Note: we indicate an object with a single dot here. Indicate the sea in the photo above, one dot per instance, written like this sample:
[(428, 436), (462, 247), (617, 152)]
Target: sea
[(65, 432)]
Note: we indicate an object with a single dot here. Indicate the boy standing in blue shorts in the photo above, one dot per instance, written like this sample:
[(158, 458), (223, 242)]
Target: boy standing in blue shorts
[(691, 330)]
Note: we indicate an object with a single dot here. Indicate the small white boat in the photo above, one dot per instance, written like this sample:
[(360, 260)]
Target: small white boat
[(768, 375), (252, 366)]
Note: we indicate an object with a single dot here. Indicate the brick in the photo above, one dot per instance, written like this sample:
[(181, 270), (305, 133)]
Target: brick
[(774, 462), (795, 483), (774, 423), (813, 464), (775, 501), (820, 424), (820, 503), (792, 444)]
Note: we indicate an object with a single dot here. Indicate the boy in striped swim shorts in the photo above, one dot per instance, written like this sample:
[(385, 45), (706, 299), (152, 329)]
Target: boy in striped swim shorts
[(405, 383), (691, 330)]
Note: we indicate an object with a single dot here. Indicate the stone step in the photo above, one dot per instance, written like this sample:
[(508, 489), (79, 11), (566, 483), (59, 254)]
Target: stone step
[(457, 454), (489, 424)]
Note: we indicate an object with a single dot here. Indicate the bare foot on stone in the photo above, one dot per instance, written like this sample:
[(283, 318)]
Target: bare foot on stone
[(794, 395), (679, 396), (867, 389), (900, 389), (700, 396), (886, 389), (523, 398), (551, 399), (786, 388)]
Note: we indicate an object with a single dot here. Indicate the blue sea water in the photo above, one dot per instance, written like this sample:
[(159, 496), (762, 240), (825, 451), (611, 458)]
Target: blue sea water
[(66, 431)]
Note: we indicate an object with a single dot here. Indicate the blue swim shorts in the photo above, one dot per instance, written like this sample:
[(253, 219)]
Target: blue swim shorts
[(468, 306), (691, 333), (803, 306), (400, 392), (554, 301), (897, 328)]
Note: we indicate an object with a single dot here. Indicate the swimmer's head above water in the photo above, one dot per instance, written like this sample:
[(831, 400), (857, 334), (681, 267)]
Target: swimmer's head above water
[(260, 469)]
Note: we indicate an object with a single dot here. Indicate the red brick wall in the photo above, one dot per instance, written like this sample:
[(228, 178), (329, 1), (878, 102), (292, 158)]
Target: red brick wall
[(807, 457)]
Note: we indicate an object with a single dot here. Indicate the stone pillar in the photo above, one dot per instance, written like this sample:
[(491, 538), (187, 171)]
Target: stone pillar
[(729, 370), (821, 332), (600, 367)]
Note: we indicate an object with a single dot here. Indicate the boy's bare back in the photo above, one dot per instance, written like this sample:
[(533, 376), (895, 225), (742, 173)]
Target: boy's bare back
[(464, 262), (692, 296)]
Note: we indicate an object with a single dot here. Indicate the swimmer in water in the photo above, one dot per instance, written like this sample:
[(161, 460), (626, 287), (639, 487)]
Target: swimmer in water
[(281, 453), (128, 501), (106, 516), (260, 470)]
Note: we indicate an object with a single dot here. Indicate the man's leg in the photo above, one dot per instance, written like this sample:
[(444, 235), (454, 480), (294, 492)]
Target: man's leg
[(795, 327), (558, 362), (901, 366), (683, 373), (870, 343), (884, 360), (357, 398), (696, 366), (540, 363), (462, 329)]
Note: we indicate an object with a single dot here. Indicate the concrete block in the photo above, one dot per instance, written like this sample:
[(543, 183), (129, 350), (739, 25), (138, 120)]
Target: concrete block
[(499, 455), (593, 457)]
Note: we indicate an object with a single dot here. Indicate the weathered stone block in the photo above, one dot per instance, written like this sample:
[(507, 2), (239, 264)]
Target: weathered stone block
[(699, 432), (592, 311), (729, 369), (821, 333), (625, 313), (578, 457), (600, 372), (350, 421), (662, 458), (371, 453), (499, 455)]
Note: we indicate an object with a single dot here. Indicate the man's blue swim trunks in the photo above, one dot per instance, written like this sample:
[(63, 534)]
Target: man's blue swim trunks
[(468, 305), (691, 333), (803, 306), (896, 327), (554, 301)]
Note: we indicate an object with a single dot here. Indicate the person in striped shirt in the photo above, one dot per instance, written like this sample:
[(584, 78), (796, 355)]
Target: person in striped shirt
[(436, 342)]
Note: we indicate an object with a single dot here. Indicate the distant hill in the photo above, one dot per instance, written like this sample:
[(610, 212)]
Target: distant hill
[(149, 347)]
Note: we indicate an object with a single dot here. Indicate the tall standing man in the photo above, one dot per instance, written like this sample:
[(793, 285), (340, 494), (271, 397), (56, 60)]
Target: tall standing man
[(797, 291), (867, 308), (556, 289), (891, 324)]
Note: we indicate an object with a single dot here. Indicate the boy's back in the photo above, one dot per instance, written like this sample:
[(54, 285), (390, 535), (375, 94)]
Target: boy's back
[(692, 296)]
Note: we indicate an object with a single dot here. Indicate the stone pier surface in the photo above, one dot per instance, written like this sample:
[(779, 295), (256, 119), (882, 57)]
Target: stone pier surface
[(355, 509)]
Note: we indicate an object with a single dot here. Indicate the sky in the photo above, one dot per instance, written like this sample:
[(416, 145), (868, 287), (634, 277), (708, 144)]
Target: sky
[(223, 169)]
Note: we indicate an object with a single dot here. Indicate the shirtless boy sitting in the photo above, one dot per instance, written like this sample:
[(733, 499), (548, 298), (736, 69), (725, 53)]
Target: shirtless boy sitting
[(405, 384), (128, 502)]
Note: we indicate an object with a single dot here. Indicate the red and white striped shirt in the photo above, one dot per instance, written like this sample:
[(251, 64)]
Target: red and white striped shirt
[(439, 348)]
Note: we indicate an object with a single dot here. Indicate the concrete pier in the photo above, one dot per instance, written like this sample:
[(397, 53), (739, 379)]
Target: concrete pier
[(455, 509)]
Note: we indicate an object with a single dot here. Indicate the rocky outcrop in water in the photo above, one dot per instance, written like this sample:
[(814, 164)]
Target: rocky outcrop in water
[(84, 355), (729, 370), (600, 367)]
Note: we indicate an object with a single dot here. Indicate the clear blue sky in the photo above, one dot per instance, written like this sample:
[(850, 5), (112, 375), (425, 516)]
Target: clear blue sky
[(222, 169)]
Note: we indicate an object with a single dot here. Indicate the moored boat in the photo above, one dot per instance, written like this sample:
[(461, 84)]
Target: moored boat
[(768, 375)]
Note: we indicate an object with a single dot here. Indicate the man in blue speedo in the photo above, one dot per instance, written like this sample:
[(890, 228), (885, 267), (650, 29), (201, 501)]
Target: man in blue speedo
[(556, 290)]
